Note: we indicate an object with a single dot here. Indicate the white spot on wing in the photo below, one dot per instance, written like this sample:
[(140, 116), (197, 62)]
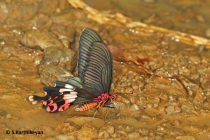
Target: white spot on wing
[(34, 102), (31, 98), (73, 93), (69, 86), (70, 100), (64, 89), (69, 96)]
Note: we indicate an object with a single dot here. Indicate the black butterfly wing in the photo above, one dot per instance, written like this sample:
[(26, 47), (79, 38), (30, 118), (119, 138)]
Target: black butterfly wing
[(60, 97), (98, 74), (94, 66), (87, 38)]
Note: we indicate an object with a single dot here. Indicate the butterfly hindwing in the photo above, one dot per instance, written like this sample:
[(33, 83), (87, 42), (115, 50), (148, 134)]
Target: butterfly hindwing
[(58, 98), (59, 103)]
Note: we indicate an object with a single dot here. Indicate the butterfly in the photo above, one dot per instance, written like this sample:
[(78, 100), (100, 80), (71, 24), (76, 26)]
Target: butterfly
[(91, 87)]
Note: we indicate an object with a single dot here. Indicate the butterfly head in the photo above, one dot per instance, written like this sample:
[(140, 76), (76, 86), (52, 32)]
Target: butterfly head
[(112, 97)]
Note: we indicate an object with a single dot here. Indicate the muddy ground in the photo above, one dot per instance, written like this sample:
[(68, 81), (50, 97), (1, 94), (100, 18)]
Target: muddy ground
[(39, 44)]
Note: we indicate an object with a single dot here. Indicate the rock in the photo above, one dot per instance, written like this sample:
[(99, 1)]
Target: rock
[(63, 57), (37, 39), (40, 21), (50, 74), (65, 34)]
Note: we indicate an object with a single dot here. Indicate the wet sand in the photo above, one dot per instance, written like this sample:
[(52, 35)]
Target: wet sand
[(39, 44)]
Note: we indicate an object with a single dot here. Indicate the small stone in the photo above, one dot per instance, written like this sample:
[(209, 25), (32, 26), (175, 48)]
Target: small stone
[(157, 100), (173, 98), (144, 131), (133, 135), (170, 110), (149, 105), (134, 107), (128, 90), (161, 108), (199, 18), (199, 97), (109, 129), (176, 123), (36, 39), (8, 116), (122, 133), (187, 107)]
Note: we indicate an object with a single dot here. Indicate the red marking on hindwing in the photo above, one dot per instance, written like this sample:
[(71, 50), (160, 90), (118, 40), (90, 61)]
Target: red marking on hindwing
[(54, 105), (64, 106)]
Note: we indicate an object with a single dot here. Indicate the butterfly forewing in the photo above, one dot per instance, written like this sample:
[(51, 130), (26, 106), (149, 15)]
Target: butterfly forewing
[(87, 38), (98, 74)]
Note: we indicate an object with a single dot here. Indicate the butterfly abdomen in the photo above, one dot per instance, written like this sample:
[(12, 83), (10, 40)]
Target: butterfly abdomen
[(86, 106)]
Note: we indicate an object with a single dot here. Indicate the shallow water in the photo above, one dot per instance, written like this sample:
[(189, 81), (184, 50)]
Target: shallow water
[(149, 107)]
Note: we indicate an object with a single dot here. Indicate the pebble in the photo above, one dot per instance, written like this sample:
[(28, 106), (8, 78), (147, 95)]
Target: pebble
[(187, 107), (134, 107), (40, 21), (65, 34), (129, 90), (199, 97), (8, 116), (170, 110), (199, 18), (176, 123), (108, 128), (161, 108), (172, 98), (133, 135), (156, 100), (103, 134), (60, 56), (122, 133), (144, 131), (37, 39)]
